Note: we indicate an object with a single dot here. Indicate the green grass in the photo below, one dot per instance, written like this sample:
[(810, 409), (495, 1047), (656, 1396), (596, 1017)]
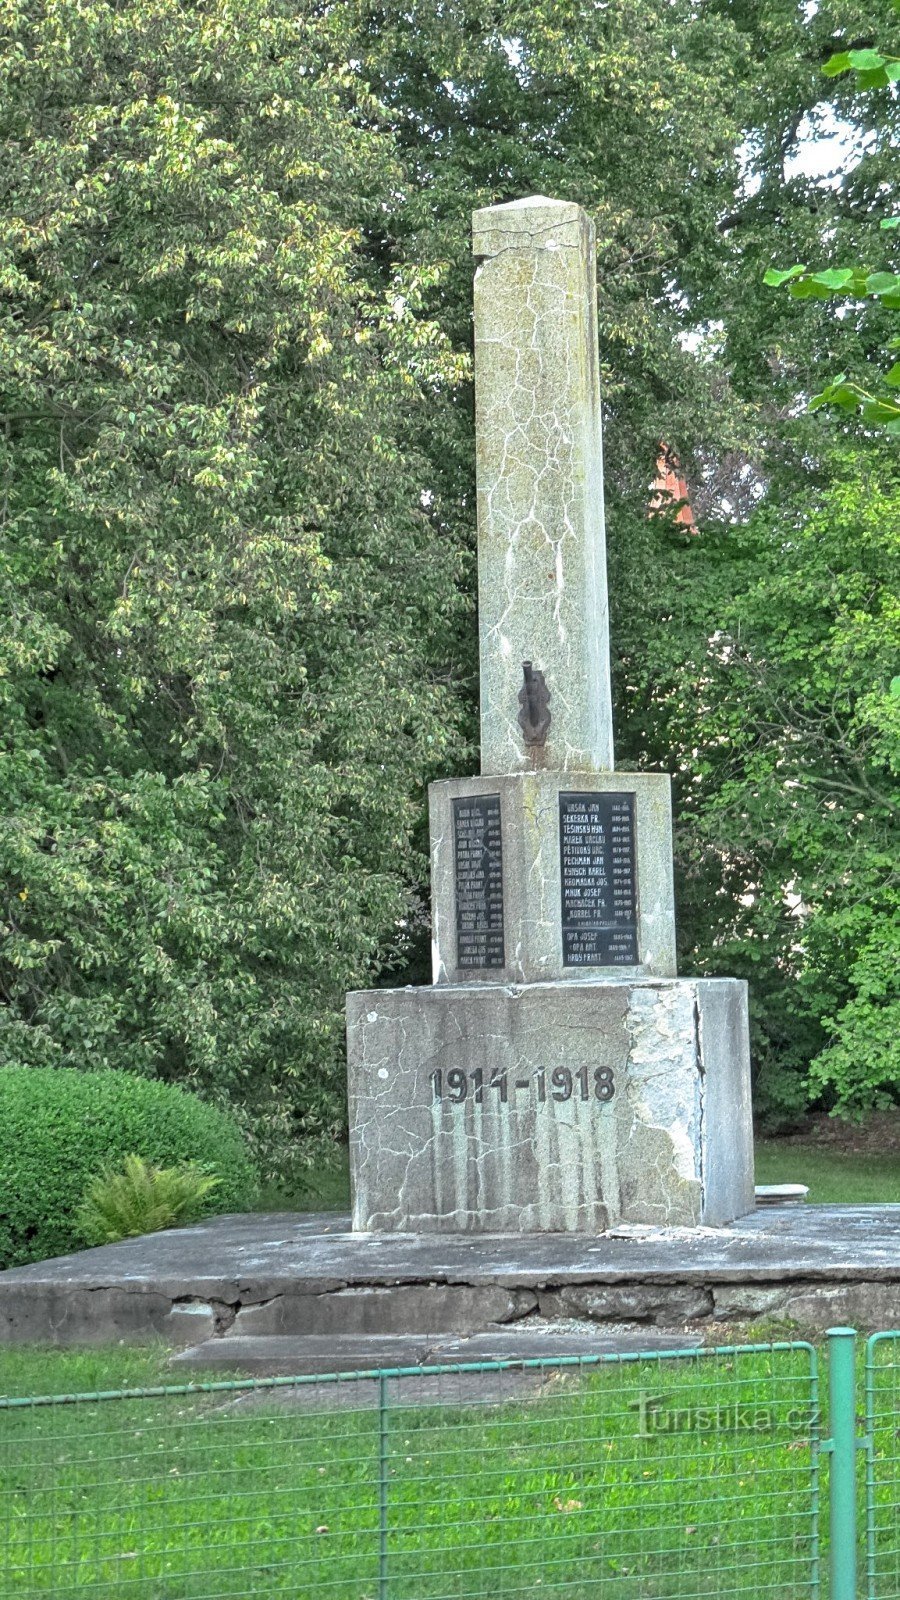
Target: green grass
[(549, 1488), (35, 1369), (833, 1177)]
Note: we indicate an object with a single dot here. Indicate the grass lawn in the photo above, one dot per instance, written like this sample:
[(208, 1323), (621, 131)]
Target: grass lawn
[(842, 1163), (832, 1177), (325, 1186), (658, 1480)]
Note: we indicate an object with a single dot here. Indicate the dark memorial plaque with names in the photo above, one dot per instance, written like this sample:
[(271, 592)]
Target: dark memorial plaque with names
[(599, 879), (478, 862)]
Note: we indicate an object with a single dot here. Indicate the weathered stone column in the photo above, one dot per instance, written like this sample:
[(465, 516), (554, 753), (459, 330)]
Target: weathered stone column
[(541, 545)]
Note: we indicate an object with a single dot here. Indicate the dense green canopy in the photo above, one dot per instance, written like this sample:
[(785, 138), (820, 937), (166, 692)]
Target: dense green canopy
[(227, 666), (238, 510)]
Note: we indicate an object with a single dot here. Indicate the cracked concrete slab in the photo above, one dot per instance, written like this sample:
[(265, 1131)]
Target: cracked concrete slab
[(815, 1264), (295, 1356), (401, 1308)]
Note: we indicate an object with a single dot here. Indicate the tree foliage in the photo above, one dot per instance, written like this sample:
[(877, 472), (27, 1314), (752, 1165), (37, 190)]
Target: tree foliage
[(238, 454), (784, 725), (227, 663), (872, 70), (828, 631)]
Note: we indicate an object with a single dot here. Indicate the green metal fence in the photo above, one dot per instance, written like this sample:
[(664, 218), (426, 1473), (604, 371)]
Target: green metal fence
[(666, 1476), (882, 1444)]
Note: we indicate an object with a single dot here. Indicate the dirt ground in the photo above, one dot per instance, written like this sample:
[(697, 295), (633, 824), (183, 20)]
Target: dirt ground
[(878, 1135)]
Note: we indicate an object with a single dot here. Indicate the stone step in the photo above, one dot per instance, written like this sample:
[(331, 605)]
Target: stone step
[(295, 1355), (411, 1309), (431, 1309)]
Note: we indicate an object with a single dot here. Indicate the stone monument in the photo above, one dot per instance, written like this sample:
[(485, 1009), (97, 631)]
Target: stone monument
[(558, 1076)]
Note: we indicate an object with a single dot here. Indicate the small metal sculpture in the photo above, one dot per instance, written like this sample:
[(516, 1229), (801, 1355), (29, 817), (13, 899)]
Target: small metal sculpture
[(534, 698)]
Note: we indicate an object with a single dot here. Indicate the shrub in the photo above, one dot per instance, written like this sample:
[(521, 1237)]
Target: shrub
[(60, 1128), (137, 1198)]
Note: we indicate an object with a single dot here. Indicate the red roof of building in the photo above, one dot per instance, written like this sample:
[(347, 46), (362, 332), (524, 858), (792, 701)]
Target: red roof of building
[(670, 489)]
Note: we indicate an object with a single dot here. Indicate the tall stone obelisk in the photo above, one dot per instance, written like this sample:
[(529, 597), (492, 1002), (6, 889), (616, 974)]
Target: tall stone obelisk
[(539, 458), (558, 1076)]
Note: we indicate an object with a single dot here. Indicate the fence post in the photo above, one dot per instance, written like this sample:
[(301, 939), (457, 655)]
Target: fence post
[(842, 1449), (382, 1486)]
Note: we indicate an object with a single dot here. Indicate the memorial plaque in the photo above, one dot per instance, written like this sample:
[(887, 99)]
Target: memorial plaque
[(478, 861), (599, 879)]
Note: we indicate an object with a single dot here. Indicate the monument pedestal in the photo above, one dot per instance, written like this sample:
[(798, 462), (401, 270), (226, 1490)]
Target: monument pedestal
[(544, 875), (550, 1107)]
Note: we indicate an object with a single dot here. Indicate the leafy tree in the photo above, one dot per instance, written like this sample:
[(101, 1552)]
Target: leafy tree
[(872, 70), (784, 728), (239, 505), (828, 657), (228, 660), (601, 105)]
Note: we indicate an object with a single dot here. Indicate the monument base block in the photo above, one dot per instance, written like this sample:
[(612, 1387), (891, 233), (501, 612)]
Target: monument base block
[(550, 1107)]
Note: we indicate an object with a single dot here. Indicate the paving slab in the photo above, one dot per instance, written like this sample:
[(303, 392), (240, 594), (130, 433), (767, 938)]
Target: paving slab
[(301, 1355), (258, 1252), (308, 1274)]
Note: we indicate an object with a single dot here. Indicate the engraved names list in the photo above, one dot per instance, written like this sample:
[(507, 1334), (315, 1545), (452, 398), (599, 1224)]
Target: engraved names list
[(598, 876), (478, 861)]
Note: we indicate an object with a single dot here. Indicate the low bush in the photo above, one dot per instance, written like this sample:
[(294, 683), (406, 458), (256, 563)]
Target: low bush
[(61, 1128)]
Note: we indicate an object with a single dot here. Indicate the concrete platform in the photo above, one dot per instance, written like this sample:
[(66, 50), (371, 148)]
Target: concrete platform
[(307, 1278), (289, 1355)]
